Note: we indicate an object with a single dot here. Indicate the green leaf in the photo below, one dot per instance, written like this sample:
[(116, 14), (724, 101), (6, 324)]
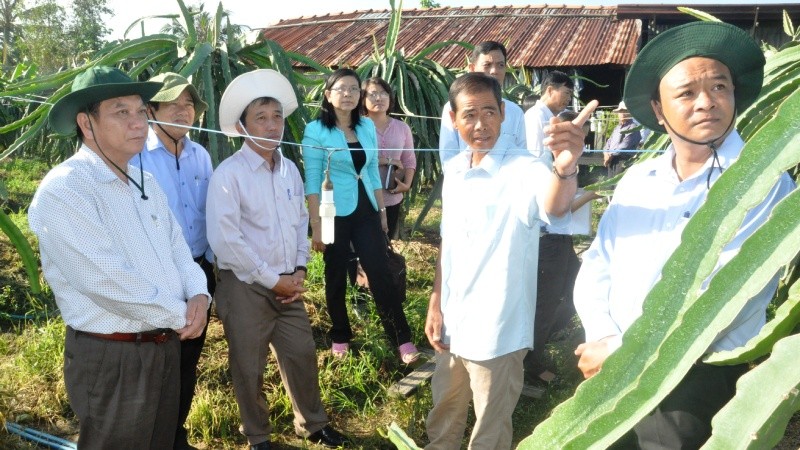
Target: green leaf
[(766, 398), (24, 249), (400, 439), (191, 32), (198, 58), (423, 54), (212, 113), (788, 28), (786, 319), (698, 14)]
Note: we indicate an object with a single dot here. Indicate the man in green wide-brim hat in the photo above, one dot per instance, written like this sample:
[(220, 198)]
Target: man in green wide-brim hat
[(689, 82), (121, 272)]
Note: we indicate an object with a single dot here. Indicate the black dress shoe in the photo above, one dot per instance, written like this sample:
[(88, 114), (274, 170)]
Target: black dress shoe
[(260, 446), (328, 437)]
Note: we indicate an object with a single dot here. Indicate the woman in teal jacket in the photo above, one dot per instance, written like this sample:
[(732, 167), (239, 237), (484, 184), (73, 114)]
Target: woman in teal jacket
[(360, 212)]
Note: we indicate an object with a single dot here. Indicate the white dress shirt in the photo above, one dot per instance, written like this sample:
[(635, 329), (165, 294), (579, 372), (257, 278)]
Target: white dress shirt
[(512, 130), (186, 188), (638, 233), (491, 215), (115, 262), (257, 218), (536, 118)]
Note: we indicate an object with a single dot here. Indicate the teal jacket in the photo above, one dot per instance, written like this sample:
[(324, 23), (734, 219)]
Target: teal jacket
[(343, 173)]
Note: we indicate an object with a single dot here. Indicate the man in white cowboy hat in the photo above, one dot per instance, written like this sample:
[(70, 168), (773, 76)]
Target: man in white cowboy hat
[(182, 168), (258, 228), (119, 267), (688, 82), (624, 138)]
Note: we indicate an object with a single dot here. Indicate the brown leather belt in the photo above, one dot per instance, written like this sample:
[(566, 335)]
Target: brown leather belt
[(157, 336)]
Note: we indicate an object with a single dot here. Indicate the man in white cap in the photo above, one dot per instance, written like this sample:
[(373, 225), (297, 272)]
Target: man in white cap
[(258, 228), (121, 272), (688, 82), (624, 138), (182, 168)]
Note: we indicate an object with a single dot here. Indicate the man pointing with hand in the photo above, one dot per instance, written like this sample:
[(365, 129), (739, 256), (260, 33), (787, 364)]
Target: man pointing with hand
[(480, 315)]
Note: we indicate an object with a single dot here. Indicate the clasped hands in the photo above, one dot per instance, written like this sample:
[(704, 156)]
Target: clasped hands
[(290, 287)]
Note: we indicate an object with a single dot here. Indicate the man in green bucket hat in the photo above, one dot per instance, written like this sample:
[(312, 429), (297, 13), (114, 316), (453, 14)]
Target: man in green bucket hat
[(121, 272), (182, 168), (689, 82)]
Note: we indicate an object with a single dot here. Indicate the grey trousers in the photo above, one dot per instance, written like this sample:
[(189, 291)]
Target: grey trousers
[(253, 320), (124, 394)]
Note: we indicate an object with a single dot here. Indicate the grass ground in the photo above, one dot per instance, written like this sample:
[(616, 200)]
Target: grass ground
[(354, 390)]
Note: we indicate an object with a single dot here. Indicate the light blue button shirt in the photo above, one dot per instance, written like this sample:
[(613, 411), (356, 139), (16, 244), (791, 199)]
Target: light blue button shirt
[(638, 233), (186, 188), (491, 215)]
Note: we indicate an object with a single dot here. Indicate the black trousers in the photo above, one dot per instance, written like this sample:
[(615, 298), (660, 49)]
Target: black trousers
[(362, 228), (683, 419), (190, 356), (393, 220), (558, 268)]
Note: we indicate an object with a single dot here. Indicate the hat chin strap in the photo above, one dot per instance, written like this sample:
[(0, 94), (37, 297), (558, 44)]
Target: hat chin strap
[(277, 148), (174, 141), (712, 145), (141, 166)]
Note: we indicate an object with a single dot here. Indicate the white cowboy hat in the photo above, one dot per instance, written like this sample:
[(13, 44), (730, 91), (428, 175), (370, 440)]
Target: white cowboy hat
[(249, 86), (621, 107)]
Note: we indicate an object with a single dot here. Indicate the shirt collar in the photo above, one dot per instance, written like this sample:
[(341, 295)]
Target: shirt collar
[(101, 171), (546, 113), (154, 143), (489, 163), (254, 160), (727, 153)]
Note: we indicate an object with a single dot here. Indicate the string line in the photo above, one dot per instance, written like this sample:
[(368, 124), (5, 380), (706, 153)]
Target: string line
[(337, 149)]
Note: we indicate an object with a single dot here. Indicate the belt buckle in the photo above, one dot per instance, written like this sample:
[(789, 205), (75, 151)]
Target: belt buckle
[(161, 337)]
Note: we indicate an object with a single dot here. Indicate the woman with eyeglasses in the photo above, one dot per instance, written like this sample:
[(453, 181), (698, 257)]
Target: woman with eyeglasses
[(396, 160), (349, 142)]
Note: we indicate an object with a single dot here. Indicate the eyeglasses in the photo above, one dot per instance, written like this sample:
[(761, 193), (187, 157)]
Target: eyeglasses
[(378, 94), (352, 90)]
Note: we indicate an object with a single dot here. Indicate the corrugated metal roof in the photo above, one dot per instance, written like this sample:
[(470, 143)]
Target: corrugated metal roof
[(536, 36)]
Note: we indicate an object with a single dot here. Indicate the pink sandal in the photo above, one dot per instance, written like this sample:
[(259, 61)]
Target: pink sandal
[(408, 353), (339, 351)]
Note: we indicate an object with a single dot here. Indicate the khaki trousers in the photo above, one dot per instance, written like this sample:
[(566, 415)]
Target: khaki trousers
[(253, 319), (493, 386)]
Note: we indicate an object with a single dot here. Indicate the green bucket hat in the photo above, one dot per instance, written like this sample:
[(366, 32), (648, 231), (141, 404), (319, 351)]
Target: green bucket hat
[(723, 42), (174, 85), (91, 86)]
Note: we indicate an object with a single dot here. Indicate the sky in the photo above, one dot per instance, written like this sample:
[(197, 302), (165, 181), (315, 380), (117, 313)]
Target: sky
[(244, 13)]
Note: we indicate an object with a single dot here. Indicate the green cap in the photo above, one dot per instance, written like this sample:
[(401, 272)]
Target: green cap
[(174, 85), (723, 42), (92, 86)]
